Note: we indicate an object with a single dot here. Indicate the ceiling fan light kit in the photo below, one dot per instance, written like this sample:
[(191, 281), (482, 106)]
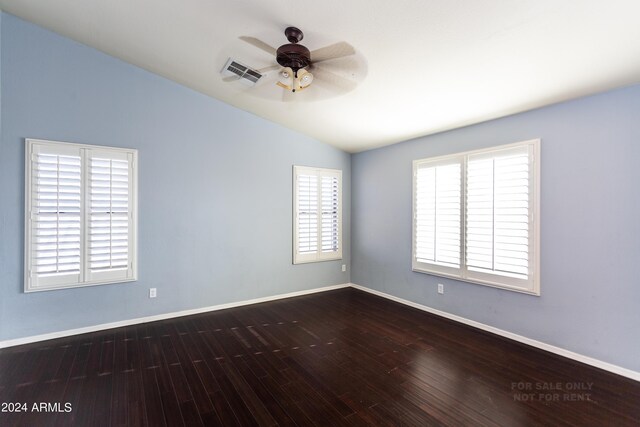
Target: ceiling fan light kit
[(294, 81), (285, 79), (304, 78)]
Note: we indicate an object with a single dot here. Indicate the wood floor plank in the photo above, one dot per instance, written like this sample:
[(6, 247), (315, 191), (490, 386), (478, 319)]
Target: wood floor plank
[(224, 388), (343, 357)]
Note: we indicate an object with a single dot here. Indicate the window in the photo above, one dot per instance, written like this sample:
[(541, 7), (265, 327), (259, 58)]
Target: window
[(317, 213), (80, 226), (475, 216)]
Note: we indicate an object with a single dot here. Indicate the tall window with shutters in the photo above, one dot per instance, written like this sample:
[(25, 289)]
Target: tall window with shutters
[(476, 216), (317, 213), (80, 215)]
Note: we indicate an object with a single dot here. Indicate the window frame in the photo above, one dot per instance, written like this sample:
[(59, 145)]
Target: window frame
[(106, 277), (318, 256), (532, 285)]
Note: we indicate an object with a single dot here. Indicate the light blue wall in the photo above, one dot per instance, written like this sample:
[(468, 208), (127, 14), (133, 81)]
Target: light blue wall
[(590, 212), (214, 182)]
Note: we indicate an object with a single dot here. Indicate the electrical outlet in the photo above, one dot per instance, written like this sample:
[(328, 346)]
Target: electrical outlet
[(344, 267), (440, 288), (152, 292)]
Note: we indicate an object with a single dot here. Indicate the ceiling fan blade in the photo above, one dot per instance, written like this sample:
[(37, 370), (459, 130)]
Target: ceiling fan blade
[(269, 68), (336, 50), (322, 76), (259, 44), (343, 66), (230, 79)]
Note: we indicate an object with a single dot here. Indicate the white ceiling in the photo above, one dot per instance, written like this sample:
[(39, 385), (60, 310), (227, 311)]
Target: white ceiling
[(426, 65)]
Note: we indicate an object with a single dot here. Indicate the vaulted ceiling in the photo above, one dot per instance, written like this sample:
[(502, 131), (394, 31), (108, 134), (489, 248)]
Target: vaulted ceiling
[(422, 66)]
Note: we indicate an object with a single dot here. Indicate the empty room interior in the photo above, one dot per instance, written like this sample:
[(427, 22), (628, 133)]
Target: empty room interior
[(246, 213)]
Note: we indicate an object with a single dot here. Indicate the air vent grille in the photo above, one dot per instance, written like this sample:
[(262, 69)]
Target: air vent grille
[(236, 68), (254, 76), (245, 74)]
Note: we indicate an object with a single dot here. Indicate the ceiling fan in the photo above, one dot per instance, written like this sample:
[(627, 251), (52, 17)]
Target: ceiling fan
[(299, 67)]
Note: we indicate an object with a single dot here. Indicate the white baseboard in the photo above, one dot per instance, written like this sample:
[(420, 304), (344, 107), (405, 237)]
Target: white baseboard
[(534, 343), (103, 326)]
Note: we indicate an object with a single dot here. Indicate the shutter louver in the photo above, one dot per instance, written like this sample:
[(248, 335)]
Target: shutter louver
[(307, 199), (109, 214), (498, 213), (437, 216), (56, 220)]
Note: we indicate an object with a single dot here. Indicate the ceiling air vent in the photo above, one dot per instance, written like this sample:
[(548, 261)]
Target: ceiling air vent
[(245, 74)]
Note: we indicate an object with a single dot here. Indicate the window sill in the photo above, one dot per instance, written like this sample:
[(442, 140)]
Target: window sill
[(533, 292), (310, 261), (28, 290)]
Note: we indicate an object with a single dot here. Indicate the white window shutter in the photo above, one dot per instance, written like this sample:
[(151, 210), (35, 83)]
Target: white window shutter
[(330, 195), (437, 214), (109, 215), (476, 216), (317, 234), (80, 215), (54, 229), (307, 210), (498, 212)]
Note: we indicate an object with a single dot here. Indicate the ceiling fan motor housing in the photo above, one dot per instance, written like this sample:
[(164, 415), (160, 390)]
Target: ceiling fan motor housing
[(293, 55)]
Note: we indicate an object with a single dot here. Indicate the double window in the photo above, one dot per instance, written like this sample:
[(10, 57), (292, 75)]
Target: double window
[(80, 215), (317, 213), (475, 216)]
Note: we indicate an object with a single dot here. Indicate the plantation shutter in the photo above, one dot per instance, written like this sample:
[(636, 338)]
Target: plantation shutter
[(330, 196), (499, 213), (317, 214), (55, 218), (80, 215), (307, 221), (474, 219), (109, 215), (437, 214)]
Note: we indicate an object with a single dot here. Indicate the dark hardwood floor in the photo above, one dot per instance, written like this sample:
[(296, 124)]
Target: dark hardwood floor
[(337, 358)]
